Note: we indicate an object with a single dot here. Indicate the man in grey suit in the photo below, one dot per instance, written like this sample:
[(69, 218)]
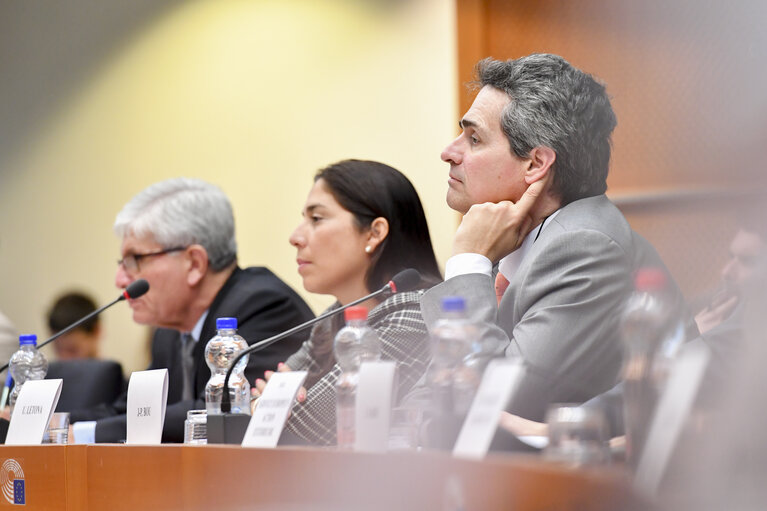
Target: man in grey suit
[(529, 172)]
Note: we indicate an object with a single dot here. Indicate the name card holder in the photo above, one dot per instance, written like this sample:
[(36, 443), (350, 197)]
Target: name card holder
[(372, 406), (671, 412), (147, 398), (495, 390), (32, 411), (274, 405)]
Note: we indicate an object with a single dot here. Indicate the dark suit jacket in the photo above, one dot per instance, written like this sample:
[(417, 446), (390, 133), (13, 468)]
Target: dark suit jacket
[(263, 305), (87, 382)]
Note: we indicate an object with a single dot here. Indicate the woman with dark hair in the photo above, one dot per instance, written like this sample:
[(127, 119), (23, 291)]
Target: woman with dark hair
[(362, 223)]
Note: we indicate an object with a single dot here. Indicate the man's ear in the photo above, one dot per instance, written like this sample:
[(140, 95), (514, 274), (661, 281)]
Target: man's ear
[(541, 160), (197, 260), (379, 229)]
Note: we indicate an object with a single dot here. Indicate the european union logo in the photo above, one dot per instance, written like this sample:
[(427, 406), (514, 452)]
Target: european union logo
[(18, 492)]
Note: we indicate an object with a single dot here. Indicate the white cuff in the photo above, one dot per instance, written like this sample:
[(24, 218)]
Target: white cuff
[(84, 432), (461, 264)]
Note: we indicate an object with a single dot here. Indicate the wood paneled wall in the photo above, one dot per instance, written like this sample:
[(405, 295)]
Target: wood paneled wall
[(685, 80)]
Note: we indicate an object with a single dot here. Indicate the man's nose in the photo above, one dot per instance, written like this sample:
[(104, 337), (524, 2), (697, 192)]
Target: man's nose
[(729, 270), (122, 279), (452, 153)]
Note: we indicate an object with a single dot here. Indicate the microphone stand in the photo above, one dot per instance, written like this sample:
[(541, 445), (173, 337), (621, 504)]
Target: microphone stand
[(229, 428), (126, 294), (134, 290)]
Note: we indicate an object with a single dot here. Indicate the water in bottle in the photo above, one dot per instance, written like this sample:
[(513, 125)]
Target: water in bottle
[(454, 373), (220, 352), (354, 344), (26, 364)]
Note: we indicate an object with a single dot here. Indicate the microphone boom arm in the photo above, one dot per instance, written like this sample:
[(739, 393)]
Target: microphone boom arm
[(226, 405), (134, 290)]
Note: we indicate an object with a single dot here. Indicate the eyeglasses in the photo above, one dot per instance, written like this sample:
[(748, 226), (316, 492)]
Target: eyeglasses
[(130, 262)]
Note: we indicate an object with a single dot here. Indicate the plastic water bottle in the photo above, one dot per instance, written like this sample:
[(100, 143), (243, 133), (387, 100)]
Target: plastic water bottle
[(26, 364), (454, 373), (652, 332), (355, 343), (220, 351)]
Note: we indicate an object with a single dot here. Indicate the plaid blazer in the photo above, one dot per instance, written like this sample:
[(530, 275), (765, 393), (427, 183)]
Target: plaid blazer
[(404, 339)]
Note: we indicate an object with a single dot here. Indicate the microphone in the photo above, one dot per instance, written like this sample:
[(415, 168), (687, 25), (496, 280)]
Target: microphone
[(134, 290), (405, 280)]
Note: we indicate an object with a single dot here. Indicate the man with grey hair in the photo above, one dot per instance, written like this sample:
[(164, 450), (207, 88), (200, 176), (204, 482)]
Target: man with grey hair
[(529, 173), (179, 235)]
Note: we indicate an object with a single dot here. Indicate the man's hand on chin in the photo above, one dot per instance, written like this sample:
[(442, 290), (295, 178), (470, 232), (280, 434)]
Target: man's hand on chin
[(496, 230)]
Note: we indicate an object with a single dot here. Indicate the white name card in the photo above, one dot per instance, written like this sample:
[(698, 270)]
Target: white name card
[(671, 412), (32, 411), (372, 405), (147, 398), (495, 390), (274, 405)]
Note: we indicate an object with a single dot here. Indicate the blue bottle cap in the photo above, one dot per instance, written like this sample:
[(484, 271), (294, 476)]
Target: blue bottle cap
[(226, 323), (453, 304), (28, 339)]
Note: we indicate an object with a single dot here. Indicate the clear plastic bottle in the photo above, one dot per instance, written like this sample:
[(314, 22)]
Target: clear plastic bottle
[(220, 351), (355, 343), (652, 332), (454, 373), (26, 364)]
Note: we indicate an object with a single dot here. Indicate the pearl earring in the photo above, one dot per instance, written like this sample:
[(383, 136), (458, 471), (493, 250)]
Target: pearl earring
[(368, 249)]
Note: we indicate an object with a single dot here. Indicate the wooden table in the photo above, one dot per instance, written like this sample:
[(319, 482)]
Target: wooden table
[(107, 477)]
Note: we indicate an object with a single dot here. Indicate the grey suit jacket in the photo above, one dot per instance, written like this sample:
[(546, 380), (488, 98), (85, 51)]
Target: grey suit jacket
[(561, 310)]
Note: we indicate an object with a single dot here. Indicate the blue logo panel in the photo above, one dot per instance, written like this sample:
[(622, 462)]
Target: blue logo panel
[(18, 492)]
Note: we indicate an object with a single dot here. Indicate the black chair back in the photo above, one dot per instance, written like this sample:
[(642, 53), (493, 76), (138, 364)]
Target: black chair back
[(87, 382)]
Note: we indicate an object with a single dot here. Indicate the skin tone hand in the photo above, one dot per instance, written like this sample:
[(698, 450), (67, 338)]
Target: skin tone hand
[(496, 230), (523, 427), (518, 426), (715, 313), (260, 384)]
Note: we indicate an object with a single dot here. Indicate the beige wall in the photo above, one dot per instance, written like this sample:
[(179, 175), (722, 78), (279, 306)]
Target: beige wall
[(251, 95)]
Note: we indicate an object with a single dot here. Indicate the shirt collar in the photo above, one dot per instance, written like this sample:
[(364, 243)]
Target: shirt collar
[(197, 330), (509, 265)]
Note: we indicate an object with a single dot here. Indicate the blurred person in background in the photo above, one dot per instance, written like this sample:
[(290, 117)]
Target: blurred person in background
[(363, 223), (721, 462), (9, 343), (721, 325), (745, 264), (83, 341)]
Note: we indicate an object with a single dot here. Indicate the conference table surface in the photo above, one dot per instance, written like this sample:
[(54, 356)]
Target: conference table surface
[(166, 477)]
